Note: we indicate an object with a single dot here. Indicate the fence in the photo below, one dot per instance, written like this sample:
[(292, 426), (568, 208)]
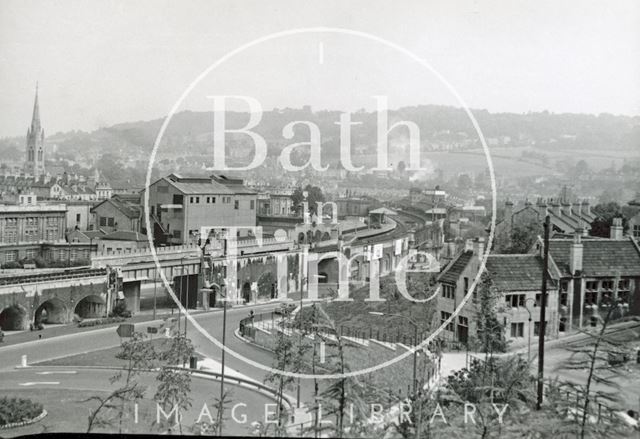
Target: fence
[(276, 320)]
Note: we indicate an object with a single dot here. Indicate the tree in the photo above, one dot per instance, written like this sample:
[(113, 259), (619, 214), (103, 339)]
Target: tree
[(343, 395), (605, 213), (285, 359), (314, 195), (175, 383), (490, 331), (265, 284), (521, 238), (598, 357), (140, 356)]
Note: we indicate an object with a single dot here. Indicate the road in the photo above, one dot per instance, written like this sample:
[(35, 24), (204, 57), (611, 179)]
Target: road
[(75, 385), (78, 343)]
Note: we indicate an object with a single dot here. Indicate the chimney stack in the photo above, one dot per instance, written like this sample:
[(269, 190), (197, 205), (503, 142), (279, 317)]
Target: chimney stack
[(566, 209), (508, 211), (557, 209), (542, 207), (478, 247), (468, 245), (616, 231), (577, 208), (576, 252)]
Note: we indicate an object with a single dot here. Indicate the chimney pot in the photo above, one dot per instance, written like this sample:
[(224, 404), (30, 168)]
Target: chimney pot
[(576, 253), (616, 231)]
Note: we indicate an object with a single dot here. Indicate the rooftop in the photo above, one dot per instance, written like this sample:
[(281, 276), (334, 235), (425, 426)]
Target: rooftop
[(452, 273), (601, 257), (515, 272), (208, 185), (125, 235)]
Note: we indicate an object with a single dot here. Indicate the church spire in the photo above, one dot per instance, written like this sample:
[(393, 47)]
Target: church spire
[(35, 119)]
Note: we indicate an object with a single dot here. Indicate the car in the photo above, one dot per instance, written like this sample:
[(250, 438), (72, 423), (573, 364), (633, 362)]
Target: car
[(285, 308)]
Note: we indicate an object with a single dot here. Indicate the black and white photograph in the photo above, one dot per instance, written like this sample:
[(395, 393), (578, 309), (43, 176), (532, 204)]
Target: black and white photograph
[(371, 219)]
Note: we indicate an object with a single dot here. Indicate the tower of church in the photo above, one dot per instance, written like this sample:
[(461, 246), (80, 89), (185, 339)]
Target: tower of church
[(34, 164)]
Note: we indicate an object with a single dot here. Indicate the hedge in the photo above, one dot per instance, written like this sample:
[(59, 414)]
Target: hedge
[(18, 410), (97, 322)]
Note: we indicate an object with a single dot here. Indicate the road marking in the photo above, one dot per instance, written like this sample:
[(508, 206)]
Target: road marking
[(321, 52), (321, 352), (35, 383), (50, 372)]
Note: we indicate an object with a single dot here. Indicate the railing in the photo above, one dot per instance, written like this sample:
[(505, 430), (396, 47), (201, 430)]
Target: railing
[(147, 251), (247, 329), (66, 274), (233, 379)]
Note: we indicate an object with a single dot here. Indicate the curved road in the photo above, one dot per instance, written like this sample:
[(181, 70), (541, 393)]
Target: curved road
[(75, 385)]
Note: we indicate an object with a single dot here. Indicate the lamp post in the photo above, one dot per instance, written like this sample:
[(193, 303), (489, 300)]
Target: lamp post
[(223, 297), (529, 330), (415, 341), (186, 314), (304, 280)]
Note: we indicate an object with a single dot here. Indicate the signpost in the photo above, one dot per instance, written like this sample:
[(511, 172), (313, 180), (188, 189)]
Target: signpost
[(125, 330)]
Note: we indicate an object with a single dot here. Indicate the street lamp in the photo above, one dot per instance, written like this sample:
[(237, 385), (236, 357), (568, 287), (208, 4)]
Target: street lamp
[(415, 341), (529, 337), (223, 296)]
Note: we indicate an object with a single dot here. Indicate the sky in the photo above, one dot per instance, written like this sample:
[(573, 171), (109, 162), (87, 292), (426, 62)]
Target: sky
[(104, 62)]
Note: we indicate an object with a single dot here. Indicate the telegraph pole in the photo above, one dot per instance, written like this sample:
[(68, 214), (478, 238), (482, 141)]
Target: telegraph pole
[(543, 309)]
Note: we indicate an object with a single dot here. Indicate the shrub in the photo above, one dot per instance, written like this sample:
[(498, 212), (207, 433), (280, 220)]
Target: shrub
[(11, 265), (18, 410), (97, 322)]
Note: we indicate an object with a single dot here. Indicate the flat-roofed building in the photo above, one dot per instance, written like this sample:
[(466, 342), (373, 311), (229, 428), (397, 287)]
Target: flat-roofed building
[(181, 206), (25, 228)]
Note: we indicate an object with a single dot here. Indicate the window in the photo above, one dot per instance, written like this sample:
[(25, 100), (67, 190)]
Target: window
[(607, 285), (153, 210), (514, 300), (236, 204), (191, 200), (213, 200), (252, 204), (463, 321), (591, 298), (636, 230), (536, 328), (592, 285), (448, 291), (77, 217), (197, 200), (178, 199), (562, 324), (539, 299), (517, 330), (466, 285), (177, 234), (103, 221), (624, 290), (443, 318), (208, 200), (564, 299), (111, 222)]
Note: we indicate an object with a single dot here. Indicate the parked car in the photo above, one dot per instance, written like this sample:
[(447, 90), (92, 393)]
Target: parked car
[(285, 308)]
